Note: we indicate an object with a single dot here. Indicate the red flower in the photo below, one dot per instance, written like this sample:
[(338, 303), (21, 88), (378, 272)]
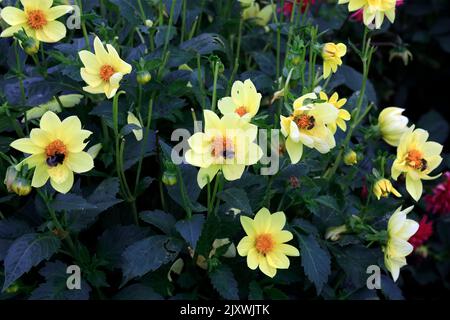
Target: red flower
[(358, 15), (289, 5), (424, 232), (439, 201)]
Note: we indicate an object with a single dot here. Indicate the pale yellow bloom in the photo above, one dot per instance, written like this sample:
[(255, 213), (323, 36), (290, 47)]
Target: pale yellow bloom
[(373, 10), (244, 100), (351, 158), (383, 188), (56, 151), (400, 229), (308, 125), (103, 70), (343, 115), (227, 144), (331, 55), (416, 158), (392, 125), (264, 246), (38, 19), (252, 10)]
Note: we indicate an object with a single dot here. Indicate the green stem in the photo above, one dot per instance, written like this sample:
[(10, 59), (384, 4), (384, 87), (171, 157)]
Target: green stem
[(141, 11), (186, 202), (83, 24), (183, 20), (169, 27), (200, 81), (214, 95)]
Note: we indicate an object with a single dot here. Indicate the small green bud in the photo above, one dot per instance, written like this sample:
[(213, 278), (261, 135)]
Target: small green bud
[(143, 77), (21, 187)]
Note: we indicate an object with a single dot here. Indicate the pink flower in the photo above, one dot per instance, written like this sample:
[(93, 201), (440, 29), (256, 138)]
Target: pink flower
[(424, 232), (358, 15), (289, 5), (439, 201)]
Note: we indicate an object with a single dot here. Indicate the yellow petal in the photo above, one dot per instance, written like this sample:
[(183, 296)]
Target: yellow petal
[(277, 260), (100, 52), (57, 11), (132, 119), (233, 171), (13, 16), (295, 150), (40, 176), (288, 250), (252, 259), (26, 145), (414, 187), (92, 80), (266, 268), (247, 224), (9, 32), (205, 173), (262, 221), (244, 246), (90, 62), (63, 186), (40, 138), (79, 162), (50, 122), (278, 220), (282, 236)]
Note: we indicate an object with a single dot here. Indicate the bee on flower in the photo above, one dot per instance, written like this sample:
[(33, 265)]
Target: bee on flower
[(103, 70), (265, 243), (227, 145), (416, 158), (331, 55), (244, 100), (343, 115), (399, 230), (309, 125), (373, 10), (38, 19), (56, 151)]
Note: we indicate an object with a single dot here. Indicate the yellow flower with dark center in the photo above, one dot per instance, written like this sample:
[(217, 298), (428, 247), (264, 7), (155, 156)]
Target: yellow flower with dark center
[(416, 158), (343, 115), (227, 144), (244, 100), (331, 55), (373, 10), (103, 70), (399, 230), (265, 243), (56, 151), (38, 19), (308, 125), (383, 188)]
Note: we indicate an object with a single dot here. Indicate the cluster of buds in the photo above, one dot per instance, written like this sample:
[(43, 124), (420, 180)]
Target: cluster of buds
[(16, 182)]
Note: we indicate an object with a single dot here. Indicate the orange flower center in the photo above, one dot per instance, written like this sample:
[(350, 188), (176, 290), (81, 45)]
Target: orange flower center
[(241, 111), (264, 243), (36, 19), (106, 72), (222, 147), (305, 122), (415, 160), (56, 153)]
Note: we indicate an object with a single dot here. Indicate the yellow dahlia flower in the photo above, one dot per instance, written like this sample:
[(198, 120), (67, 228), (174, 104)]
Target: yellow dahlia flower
[(227, 144), (244, 100), (38, 19), (383, 188), (308, 125), (252, 10), (373, 10), (392, 125), (343, 115), (416, 158), (399, 230), (103, 70), (56, 151), (264, 244), (331, 55)]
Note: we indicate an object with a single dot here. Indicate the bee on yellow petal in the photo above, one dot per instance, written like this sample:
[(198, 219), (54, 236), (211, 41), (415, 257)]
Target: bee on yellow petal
[(383, 188), (265, 243), (38, 19), (399, 230), (373, 10), (416, 158), (227, 145), (392, 125), (103, 70), (56, 151), (308, 125), (343, 115), (244, 100), (331, 55)]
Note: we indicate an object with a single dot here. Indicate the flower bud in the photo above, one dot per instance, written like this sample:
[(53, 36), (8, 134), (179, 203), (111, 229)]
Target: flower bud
[(334, 233), (30, 46), (351, 158), (10, 177), (392, 125), (143, 77), (21, 187), (148, 23), (169, 178), (383, 188)]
